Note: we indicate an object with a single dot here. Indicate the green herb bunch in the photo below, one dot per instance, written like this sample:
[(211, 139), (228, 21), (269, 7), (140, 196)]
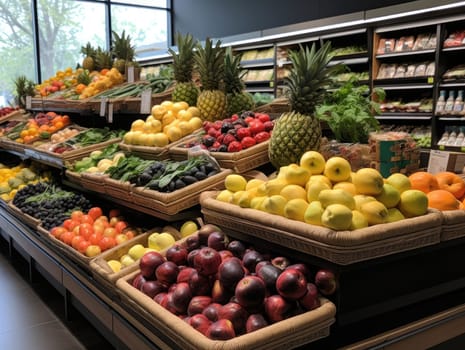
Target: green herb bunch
[(350, 111)]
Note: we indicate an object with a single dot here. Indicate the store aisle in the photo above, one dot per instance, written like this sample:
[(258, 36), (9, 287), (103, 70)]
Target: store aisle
[(31, 315)]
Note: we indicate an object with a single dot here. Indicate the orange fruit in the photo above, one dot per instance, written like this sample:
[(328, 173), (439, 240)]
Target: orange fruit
[(451, 182), (443, 200), (423, 181)]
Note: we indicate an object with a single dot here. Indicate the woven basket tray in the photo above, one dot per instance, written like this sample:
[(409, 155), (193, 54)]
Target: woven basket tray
[(146, 152), (280, 105), (176, 201), (93, 181), (240, 162), (118, 189), (27, 219), (290, 333), (10, 145), (453, 225), (74, 177), (340, 247)]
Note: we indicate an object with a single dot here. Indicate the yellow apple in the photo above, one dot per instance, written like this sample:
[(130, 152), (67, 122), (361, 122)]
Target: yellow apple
[(413, 203), (297, 175), (389, 196), (399, 181), (225, 196), (394, 215), (313, 213), (235, 182), (375, 212), (337, 217), (126, 260), (346, 186), (358, 220), (161, 241), (274, 204), (314, 188), (362, 199), (338, 196), (313, 161), (292, 191), (368, 181), (137, 250), (295, 209), (256, 202), (272, 187), (188, 228), (253, 183), (337, 169)]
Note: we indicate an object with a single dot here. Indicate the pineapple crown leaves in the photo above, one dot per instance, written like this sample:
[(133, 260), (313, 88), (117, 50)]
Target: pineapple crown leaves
[(88, 50), (233, 72), (121, 46), (310, 77), (183, 60), (210, 64), (103, 59)]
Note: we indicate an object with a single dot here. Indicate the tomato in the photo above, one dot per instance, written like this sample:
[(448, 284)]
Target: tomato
[(67, 237), (228, 138), (120, 226), (77, 215), (70, 224), (57, 231), (82, 246), (269, 125), (94, 238), (234, 146), (262, 117), (86, 230), (107, 243), (110, 232), (247, 142), (130, 233), (76, 240), (95, 212), (256, 126), (242, 132), (262, 136), (87, 219)]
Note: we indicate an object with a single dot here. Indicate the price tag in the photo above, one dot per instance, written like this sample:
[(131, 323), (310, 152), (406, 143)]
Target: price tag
[(462, 149), (28, 102), (271, 84), (146, 101), (438, 161), (110, 113), (103, 106), (442, 147), (430, 80), (130, 74)]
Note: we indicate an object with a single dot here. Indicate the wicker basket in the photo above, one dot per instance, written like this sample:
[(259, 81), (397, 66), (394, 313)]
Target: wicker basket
[(10, 145), (93, 181), (23, 217), (340, 247), (290, 333), (118, 189), (453, 225), (173, 202), (146, 152), (240, 162), (277, 106), (74, 177)]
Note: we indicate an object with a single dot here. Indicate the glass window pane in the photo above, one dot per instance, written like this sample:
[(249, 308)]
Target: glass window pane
[(146, 27), (65, 26), (156, 3), (16, 46)]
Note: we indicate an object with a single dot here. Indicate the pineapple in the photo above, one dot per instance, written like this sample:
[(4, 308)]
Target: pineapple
[(122, 50), (299, 130), (89, 57), (238, 100), (183, 64), (210, 64), (103, 59)]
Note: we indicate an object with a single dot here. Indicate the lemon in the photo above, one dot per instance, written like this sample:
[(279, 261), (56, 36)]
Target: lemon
[(253, 183), (225, 196), (274, 204), (128, 138), (188, 228), (174, 133), (167, 104), (161, 139), (274, 186), (194, 111), (137, 125), (196, 123), (115, 265), (136, 251), (158, 111), (295, 174), (161, 241), (179, 106), (337, 217), (236, 196), (235, 182), (256, 202), (292, 191), (185, 127)]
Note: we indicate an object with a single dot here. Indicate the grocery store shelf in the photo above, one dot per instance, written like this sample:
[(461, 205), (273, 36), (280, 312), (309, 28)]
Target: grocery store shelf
[(404, 116), (454, 48), (348, 61), (406, 53), (264, 62)]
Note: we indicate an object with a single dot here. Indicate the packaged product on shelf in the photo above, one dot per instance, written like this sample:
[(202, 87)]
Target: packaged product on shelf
[(441, 103), (400, 71), (410, 72), (431, 42), (408, 43), (452, 137), (399, 44), (458, 103), (430, 69), (386, 71), (460, 138), (449, 107), (420, 70), (455, 39), (455, 72), (421, 42)]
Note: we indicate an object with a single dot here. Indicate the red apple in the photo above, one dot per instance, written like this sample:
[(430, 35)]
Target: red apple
[(212, 311), (291, 284), (281, 262), (217, 240), (310, 300), (277, 308), (152, 288), (192, 242), (250, 259), (225, 254), (177, 254), (220, 294), (167, 273), (207, 261), (185, 273), (182, 295), (260, 264), (250, 291), (168, 304), (221, 330), (138, 280), (236, 314), (198, 304), (326, 281), (204, 231), (269, 274), (149, 262), (254, 322), (191, 255), (200, 323), (237, 248), (302, 268), (159, 298), (230, 272), (199, 284)]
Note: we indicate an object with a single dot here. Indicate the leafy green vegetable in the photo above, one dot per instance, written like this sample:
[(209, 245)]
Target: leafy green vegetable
[(128, 167), (350, 112), (93, 136)]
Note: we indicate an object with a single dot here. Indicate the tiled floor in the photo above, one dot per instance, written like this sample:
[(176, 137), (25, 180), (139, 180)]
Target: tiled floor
[(32, 314)]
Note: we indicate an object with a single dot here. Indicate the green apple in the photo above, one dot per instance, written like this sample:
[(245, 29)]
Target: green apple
[(413, 203), (399, 181), (368, 181), (314, 188), (389, 196), (358, 220), (338, 196), (295, 209), (394, 215), (136, 251), (362, 199), (313, 213), (375, 212), (337, 217), (126, 260), (313, 161), (337, 169)]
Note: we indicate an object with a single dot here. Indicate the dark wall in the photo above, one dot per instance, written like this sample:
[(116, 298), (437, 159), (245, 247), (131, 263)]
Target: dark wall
[(218, 19)]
